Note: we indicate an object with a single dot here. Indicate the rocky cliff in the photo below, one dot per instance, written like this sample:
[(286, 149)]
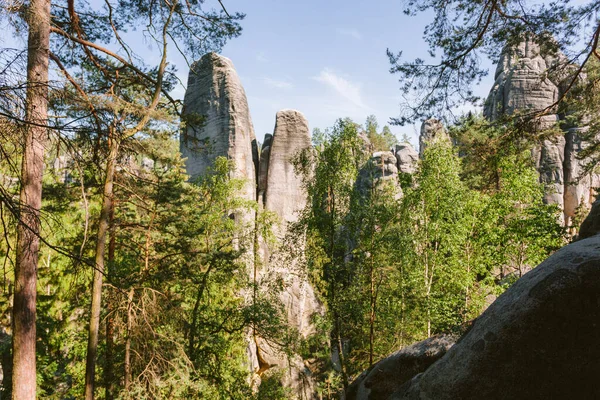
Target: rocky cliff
[(280, 191), (218, 123), (526, 81)]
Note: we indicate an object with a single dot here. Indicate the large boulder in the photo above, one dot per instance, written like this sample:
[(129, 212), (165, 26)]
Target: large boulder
[(217, 121), (538, 340), (407, 158), (389, 374)]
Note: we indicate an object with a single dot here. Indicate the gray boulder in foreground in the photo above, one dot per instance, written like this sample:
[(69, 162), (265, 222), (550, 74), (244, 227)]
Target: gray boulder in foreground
[(538, 340), (389, 374)]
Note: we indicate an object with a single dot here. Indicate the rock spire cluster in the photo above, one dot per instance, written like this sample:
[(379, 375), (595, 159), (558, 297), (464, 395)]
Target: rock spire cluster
[(525, 82), (218, 123)]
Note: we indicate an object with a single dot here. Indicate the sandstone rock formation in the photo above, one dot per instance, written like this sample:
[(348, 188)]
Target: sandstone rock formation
[(389, 374), (591, 225), (280, 191), (284, 194), (536, 341), (263, 168), (218, 121), (407, 158), (526, 82), (432, 130), (520, 82), (381, 168)]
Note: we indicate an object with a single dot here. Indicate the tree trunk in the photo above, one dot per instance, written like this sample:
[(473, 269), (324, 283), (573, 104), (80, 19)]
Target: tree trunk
[(109, 373), (103, 227), (36, 115), (128, 341), (372, 311)]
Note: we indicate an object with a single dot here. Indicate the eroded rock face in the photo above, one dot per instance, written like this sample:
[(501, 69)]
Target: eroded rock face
[(407, 158), (591, 225), (263, 168), (218, 121), (384, 166), (380, 169), (549, 161), (526, 81), (280, 191), (284, 194), (432, 130), (536, 341), (389, 374), (521, 83)]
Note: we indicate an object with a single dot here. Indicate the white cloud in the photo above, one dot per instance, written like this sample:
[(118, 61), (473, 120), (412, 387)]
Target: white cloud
[(353, 33), (261, 57), (278, 84), (346, 89)]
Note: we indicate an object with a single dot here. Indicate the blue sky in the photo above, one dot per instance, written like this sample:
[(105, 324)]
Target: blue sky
[(324, 58)]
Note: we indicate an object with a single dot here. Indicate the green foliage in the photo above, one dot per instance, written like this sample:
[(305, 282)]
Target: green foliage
[(176, 274), (580, 109), (381, 141), (461, 33), (271, 387), (395, 269), (441, 215)]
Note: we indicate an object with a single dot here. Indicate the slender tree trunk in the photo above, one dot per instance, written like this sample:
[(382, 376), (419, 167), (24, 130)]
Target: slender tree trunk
[(372, 313), (340, 348), (109, 373), (103, 227), (36, 114), (128, 341)]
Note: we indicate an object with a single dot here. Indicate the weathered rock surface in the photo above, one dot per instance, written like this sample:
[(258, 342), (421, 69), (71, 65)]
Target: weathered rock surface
[(591, 224), (407, 158), (280, 191), (218, 121), (536, 341), (580, 188), (384, 165), (525, 81), (263, 168), (284, 194), (380, 168), (432, 130), (521, 82), (549, 161), (389, 374)]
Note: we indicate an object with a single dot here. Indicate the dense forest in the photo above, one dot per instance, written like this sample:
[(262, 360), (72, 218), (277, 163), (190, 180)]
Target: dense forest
[(152, 248)]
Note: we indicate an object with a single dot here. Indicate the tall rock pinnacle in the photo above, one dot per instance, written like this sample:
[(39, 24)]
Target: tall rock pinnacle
[(218, 121), (284, 194), (525, 82), (280, 191)]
